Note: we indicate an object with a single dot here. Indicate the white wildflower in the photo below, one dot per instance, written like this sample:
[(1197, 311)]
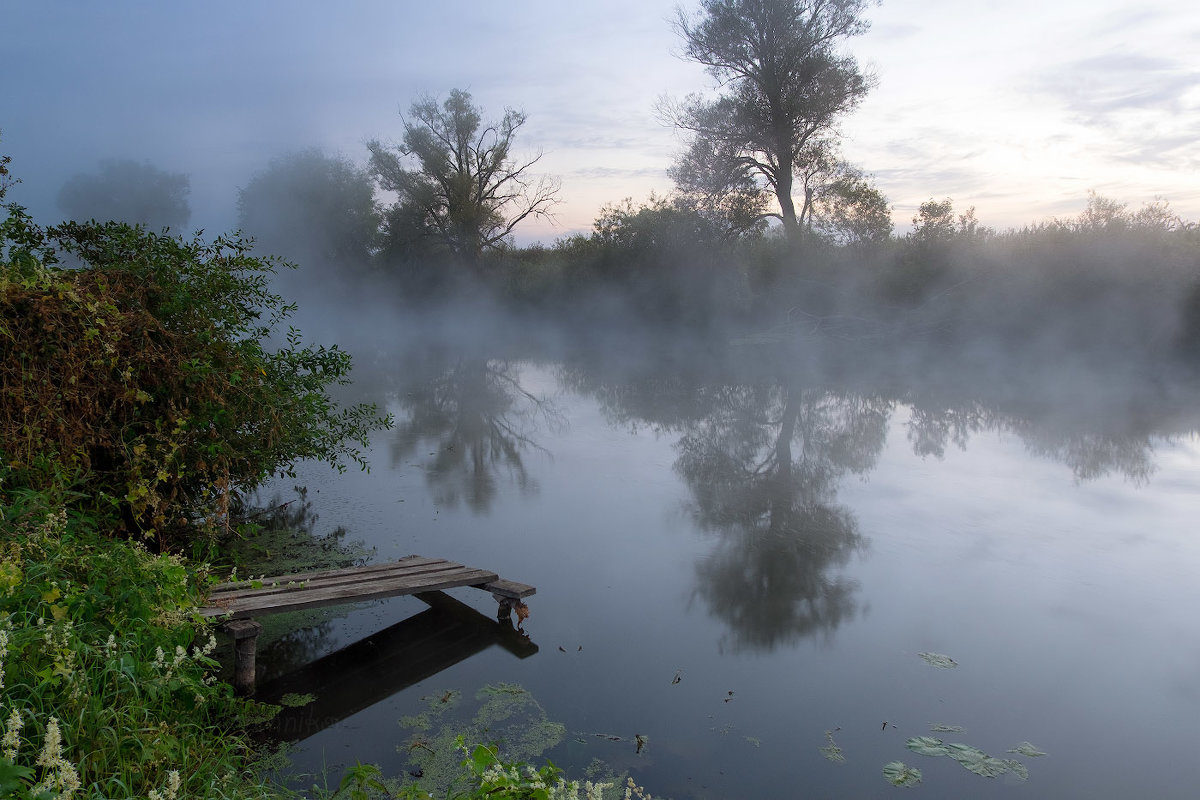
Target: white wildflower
[(209, 646), (51, 745), (60, 774), (595, 791), (12, 735), (3, 650)]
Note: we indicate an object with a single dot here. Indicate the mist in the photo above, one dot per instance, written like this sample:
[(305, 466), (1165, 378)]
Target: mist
[(752, 386)]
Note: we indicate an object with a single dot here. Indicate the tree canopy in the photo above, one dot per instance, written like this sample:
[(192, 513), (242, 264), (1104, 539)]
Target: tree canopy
[(784, 88), (136, 193), (311, 207), (458, 179)]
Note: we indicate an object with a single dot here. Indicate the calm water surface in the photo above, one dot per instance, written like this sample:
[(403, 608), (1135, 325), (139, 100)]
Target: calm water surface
[(730, 563)]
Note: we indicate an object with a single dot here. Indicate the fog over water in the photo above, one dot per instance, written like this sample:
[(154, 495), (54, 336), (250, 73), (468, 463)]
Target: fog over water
[(784, 527), (788, 503)]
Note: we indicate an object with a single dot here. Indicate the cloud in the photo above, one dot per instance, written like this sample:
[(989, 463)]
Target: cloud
[(605, 173)]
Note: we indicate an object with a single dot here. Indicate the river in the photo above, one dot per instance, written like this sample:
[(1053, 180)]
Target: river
[(761, 572)]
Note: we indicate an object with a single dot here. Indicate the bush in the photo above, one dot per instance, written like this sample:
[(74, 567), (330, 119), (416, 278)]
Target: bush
[(143, 378), (106, 673)]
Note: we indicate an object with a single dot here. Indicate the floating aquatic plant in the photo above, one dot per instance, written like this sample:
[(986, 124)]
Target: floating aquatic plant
[(970, 757), (927, 746), (293, 700), (897, 773), (830, 750), (1027, 749), (939, 660)]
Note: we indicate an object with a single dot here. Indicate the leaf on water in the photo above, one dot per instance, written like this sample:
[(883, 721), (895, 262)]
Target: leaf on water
[(927, 746), (897, 773), (938, 728), (938, 660), (1017, 768), (1027, 749)]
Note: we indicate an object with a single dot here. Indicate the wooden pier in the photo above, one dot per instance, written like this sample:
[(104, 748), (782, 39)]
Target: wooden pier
[(237, 603)]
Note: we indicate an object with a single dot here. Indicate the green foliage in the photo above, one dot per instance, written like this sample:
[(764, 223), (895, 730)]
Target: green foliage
[(490, 776), (144, 379), (505, 716), (107, 675)]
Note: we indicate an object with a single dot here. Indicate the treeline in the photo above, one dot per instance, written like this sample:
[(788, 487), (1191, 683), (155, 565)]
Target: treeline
[(1110, 275)]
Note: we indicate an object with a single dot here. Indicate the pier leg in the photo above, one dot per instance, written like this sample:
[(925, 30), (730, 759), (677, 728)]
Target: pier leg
[(504, 613), (245, 639)]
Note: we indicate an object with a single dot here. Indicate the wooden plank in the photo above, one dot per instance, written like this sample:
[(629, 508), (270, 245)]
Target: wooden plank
[(506, 588), (408, 562), (285, 584), (297, 598)]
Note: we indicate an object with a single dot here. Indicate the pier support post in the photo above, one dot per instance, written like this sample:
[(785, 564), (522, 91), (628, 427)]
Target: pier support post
[(245, 638), (504, 612)]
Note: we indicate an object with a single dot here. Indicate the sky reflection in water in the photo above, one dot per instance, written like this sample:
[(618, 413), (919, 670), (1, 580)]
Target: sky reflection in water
[(787, 548)]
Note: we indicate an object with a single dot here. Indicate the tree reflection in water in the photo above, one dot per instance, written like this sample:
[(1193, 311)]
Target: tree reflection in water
[(763, 470), (479, 420)]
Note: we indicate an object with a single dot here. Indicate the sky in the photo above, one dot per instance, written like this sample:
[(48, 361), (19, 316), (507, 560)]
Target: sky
[(1018, 109)]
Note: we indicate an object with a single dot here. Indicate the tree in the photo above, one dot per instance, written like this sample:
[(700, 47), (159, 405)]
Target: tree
[(785, 87), (311, 207), (126, 191), (457, 178), (709, 179), (850, 210)]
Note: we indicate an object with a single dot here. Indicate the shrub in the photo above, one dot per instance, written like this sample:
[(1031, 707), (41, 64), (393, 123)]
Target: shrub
[(144, 379)]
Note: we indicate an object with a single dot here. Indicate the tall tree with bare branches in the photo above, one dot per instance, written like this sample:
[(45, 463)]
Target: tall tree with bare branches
[(784, 87), (457, 178)]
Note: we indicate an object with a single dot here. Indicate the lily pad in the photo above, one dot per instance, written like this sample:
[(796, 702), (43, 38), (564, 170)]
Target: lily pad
[(927, 746), (939, 660), (977, 761), (897, 773), (938, 728), (1027, 749), (969, 756)]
